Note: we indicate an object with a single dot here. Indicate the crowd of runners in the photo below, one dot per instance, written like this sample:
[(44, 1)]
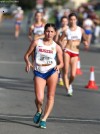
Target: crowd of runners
[(54, 52)]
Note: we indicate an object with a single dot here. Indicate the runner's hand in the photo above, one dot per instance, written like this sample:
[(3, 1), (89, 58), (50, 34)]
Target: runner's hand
[(28, 66), (57, 68), (86, 45)]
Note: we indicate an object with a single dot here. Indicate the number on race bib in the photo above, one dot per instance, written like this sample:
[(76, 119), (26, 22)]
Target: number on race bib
[(42, 58), (49, 62)]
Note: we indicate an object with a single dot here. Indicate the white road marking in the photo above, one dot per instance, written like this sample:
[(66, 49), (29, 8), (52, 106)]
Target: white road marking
[(22, 62), (14, 116), (1, 88), (87, 70), (88, 66), (12, 62), (8, 80), (75, 83), (21, 117), (76, 120), (83, 84)]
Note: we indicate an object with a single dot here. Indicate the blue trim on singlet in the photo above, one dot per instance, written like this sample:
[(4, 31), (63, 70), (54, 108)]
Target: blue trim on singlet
[(44, 75)]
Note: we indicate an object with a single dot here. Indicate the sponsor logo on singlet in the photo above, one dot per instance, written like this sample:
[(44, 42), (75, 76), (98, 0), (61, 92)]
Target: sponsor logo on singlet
[(45, 50)]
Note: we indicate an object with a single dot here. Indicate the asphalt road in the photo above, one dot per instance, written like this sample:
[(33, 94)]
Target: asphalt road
[(79, 114)]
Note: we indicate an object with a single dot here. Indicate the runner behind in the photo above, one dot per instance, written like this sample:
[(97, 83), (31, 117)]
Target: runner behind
[(74, 35)]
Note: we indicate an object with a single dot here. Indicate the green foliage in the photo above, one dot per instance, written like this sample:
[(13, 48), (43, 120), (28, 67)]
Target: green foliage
[(57, 2), (47, 3), (61, 2), (6, 2), (27, 4)]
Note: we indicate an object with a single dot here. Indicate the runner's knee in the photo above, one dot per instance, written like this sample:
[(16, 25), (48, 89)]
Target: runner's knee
[(73, 76), (50, 97), (40, 100)]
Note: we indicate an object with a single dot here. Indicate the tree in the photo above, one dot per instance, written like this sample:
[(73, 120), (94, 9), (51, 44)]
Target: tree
[(47, 3), (27, 4)]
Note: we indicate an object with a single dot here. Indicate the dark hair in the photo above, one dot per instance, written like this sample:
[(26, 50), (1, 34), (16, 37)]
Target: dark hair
[(72, 14), (63, 17), (50, 25)]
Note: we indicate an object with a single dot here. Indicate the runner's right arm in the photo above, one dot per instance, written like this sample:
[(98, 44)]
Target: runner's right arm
[(27, 55), (30, 33), (61, 38)]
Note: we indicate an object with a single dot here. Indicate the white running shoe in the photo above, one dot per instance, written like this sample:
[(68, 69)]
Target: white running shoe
[(70, 91)]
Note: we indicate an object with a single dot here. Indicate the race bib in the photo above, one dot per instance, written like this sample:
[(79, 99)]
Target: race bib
[(39, 32), (43, 59)]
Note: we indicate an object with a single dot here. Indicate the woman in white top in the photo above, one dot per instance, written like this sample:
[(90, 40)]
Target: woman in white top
[(73, 34), (37, 28), (45, 71), (88, 26), (18, 21)]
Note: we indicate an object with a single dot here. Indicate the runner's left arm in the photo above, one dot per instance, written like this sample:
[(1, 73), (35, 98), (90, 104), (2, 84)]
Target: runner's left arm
[(61, 39), (59, 57), (85, 39)]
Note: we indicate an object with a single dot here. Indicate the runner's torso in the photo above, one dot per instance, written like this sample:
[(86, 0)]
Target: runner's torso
[(38, 30), (73, 39), (45, 57), (88, 24), (18, 17)]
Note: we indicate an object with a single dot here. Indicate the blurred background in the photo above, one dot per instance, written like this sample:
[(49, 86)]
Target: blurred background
[(52, 10)]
